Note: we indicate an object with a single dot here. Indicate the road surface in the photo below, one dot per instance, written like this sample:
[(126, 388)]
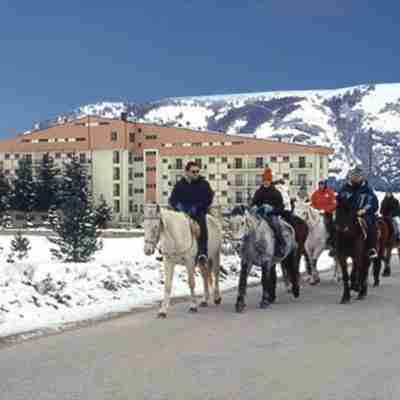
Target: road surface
[(306, 349)]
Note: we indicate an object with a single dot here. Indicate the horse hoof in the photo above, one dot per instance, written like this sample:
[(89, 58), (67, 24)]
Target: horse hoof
[(386, 273), (361, 296), (203, 304), (345, 300), (354, 288), (162, 315), (218, 301), (376, 283), (240, 307), (296, 292), (193, 310), (264, 304)]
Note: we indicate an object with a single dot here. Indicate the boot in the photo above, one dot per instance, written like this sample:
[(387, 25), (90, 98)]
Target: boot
[(279, 241)]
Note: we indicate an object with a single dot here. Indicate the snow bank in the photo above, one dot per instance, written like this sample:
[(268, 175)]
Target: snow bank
[(42, 293)]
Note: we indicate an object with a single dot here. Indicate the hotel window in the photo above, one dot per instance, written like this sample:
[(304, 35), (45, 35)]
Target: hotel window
[(273, 159), (116, 157), (259, 162), (211, 160), (130, 189), (130, 174), (239, 180), (6, 156), (196, 144), (198, 162), (224, 177), (43, 140), (139, 174), (286, 159), (239, 197), (116, 190), (302, 162), (259, 179), (28, 157), (224, 193), (285, 176), (238, 163), (150, 168), (165, 176), (57, 155), (151, 137), (80, 139), (82, 158), (116, 174), (212, 177), (321, 162), (130, 157), (165, 160), (135, 208), (131, 137), (130, 206), (224, 159), (141, 206), (116, 206), (178, 163), (16, 156), (114, 136), (138, 159)]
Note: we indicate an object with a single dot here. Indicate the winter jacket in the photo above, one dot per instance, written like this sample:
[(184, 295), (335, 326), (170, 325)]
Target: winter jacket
[(360, 197), (268, 195), (193, 197), (390, 207), (324, 200)]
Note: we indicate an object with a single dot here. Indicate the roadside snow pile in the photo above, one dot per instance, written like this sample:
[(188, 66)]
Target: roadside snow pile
[(41, 293)]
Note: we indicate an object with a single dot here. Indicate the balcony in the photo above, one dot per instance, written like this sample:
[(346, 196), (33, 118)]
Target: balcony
[(301, 165)]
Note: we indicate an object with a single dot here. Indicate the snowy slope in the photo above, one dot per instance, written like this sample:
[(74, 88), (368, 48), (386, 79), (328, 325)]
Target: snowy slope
[(341, 119)]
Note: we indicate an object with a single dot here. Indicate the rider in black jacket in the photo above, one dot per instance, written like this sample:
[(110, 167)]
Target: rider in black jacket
[(193, 196)]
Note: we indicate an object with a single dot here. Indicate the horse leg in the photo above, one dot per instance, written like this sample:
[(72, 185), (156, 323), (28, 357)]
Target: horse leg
[(377, 270), (266, 286), (355, 277), (387, 271), (192, 285), (206, 292), (240, 302), (216, 267), (292, 264), (364, 269), (345, 276), (169, 273)]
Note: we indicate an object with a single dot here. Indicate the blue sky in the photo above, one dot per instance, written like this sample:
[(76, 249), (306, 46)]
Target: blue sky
[(56, 55)]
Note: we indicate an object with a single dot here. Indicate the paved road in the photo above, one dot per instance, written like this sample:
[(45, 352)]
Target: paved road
[(308, 349)]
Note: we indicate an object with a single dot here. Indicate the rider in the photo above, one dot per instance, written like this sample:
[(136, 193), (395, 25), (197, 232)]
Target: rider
[(390, 210), (324, 199), (268, 195), (193, 195), (364, 202)]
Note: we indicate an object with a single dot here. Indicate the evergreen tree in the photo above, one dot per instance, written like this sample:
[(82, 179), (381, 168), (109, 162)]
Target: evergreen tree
[(47, 187), (76, 233), (20, 247), (103, 214), (23, 197), (74, 223), (5, 192), (75, 180)]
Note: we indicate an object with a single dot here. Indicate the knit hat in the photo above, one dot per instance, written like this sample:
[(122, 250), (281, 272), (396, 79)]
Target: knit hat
[(356, 171), (267, 175)]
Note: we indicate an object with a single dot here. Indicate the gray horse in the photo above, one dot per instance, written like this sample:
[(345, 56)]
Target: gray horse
[(255, 242)]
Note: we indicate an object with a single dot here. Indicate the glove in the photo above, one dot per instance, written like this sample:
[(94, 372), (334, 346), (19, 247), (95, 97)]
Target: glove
[(361, 212)]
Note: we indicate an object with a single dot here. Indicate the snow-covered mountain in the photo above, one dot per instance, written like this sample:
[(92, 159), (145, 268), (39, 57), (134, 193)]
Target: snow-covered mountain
[(349, 120)]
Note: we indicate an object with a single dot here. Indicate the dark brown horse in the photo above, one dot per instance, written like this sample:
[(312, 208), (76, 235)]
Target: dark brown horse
[(386, 243), (351, 243)]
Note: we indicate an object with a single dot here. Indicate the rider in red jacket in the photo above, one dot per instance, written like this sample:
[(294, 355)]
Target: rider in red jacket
[(324, 199)]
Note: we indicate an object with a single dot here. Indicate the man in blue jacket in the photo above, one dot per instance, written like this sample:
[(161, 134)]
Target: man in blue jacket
[(193, 196), (364, 202)]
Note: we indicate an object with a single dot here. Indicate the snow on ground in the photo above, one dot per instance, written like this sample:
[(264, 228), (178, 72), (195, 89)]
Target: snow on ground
[(42, 293)]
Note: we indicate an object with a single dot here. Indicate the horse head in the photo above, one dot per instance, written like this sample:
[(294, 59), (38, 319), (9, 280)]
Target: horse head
[(152, 228), (346, 218), (240, 224)]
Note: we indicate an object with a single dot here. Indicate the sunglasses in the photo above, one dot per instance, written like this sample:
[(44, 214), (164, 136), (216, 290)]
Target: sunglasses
[(195, 171)]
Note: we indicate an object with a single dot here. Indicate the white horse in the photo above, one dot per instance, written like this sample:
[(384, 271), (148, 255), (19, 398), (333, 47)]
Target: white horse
[(317, 236), (175, 233)]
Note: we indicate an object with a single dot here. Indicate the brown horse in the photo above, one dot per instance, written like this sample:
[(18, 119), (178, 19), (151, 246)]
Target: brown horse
[(351, 243), (386, 243)]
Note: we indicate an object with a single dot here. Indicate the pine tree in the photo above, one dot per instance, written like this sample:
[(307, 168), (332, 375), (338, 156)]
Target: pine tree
[(74, 223), (5, 192), (20, 246), (103, 214), (47, 187), (23, 197), (75, 180), (76, 232)]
